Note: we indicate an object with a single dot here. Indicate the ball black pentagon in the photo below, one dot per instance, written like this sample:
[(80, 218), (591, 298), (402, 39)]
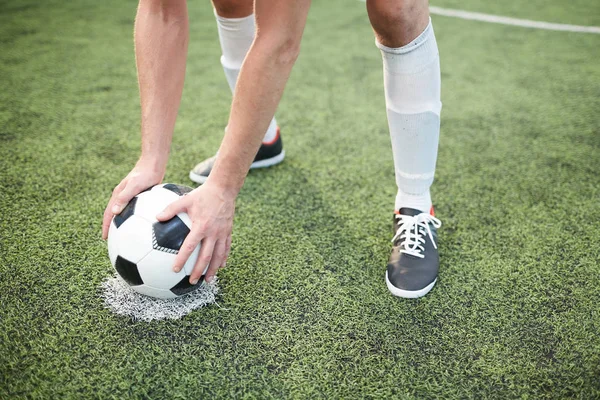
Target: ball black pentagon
[(128, 271), (177, 189), (169, 235), (126, 213), (184, 286)]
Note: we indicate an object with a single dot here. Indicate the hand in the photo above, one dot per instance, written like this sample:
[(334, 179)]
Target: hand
[(141, 177), (211, 210)]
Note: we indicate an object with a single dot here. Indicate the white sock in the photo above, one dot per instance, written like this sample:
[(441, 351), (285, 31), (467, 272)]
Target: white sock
[(412, 95), (236, 36)]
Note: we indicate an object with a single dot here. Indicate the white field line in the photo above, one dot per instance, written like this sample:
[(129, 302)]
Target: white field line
[(525, 23), (497, 19)]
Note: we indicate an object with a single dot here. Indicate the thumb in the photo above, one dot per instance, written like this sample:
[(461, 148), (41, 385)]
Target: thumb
[(172, 210), (123, 198)]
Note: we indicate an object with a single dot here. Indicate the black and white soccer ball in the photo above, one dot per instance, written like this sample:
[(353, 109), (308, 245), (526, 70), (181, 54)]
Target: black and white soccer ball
[(143, 250)]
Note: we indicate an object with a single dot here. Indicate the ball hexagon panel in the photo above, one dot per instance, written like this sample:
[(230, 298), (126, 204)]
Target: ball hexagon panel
[(127, 212), (156, 270), (134, 239), (128, 271), (150, 203), (168, 236), (154, 292), (185, 287), (180, 190)]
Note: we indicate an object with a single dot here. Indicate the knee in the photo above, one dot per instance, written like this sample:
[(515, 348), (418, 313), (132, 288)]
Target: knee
[(233, 8), (396, 12), (396, 21), (288, 51), (170, 10)]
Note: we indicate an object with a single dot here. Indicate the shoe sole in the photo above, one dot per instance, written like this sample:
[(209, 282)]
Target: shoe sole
[(268, 162), (408, 294)]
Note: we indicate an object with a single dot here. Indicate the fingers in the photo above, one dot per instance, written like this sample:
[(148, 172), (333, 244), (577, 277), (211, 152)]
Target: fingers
[(106, 222), (108, 214), (206, 251), (186, 250), (216, 261), (173, 209), (124, 196)]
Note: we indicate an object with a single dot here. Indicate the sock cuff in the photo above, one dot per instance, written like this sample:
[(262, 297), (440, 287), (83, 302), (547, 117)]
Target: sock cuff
[(421, 201), (413, 45), (233, 22), (236, 36)]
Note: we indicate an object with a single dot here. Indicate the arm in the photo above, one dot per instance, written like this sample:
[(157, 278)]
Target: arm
[(161, 40), (260, 85)]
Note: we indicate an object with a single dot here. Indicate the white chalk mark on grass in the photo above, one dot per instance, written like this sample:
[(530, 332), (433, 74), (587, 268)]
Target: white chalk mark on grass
[(122, 300)]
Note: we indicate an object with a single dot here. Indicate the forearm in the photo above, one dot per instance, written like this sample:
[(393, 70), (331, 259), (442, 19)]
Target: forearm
[(259, 89), (260, 86), (161, 40)]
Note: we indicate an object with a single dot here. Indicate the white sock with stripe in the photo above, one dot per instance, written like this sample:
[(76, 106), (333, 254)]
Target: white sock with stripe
[(236, 36), (412, 94)]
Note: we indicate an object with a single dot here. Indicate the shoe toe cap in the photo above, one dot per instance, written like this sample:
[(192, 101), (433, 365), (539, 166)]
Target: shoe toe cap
[(204, 168), (412, 273)]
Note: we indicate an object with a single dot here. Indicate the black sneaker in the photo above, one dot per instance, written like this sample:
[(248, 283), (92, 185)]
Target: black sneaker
[(269, 154), (414, 263)]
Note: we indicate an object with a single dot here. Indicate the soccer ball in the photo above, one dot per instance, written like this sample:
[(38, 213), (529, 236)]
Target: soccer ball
[(143, 250)]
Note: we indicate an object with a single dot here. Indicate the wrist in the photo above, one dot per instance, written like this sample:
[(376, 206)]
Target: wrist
[(156, 165), (229, 172), (227, 187)]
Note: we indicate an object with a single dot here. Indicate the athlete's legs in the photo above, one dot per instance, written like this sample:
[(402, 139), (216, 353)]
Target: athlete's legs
[(412, 92), (397, 22), (234, 8)]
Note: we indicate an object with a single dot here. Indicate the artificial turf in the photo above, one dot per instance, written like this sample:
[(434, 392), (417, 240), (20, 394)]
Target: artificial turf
[(303, 309)]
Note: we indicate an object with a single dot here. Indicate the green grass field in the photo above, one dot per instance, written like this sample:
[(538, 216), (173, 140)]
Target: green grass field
[(304, 310)]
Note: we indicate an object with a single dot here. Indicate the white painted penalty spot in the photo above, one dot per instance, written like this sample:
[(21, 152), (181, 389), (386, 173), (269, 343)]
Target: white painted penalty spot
[(122, 300)]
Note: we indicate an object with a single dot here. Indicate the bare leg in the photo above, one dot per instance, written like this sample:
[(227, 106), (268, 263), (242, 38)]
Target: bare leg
[(397, 22), (233, 8)]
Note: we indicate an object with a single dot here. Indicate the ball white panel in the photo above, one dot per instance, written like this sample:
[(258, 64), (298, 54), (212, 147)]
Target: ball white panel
[(113, 248), (150, 203), (156, 270), (159, 187), (154, 292), (134, 239)]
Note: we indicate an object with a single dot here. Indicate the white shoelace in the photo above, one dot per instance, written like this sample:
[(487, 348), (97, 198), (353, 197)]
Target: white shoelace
[(412, 232)]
